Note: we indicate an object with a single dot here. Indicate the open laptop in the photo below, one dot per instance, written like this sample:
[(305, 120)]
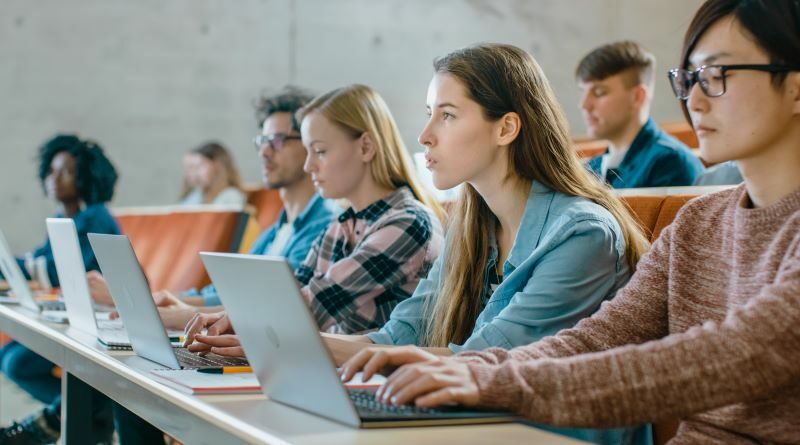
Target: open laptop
[(131, 294), (282, 341), (75, 289), (19, 285)]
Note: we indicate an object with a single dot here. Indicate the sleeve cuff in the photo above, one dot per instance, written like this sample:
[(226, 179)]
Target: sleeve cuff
[(495, 389)]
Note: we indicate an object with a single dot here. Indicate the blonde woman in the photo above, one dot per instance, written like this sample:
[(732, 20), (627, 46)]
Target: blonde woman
[(375, 253)]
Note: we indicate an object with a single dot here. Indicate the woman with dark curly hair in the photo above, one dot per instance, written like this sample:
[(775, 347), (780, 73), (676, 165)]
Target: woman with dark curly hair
[(78, 176)]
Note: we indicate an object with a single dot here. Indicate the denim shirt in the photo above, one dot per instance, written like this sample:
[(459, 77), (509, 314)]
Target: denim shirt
[(307, 227), (654, 159), (568, 257)]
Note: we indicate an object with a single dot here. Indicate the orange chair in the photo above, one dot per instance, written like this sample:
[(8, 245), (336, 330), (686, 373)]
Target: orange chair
[(267, 204), (167, 243)]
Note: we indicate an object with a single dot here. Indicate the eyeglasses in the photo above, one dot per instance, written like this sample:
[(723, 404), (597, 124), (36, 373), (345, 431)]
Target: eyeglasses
[(276, 140), (712, 77)]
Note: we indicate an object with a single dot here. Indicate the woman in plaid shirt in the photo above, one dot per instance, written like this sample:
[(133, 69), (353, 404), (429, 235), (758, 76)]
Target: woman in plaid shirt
[(374, 255)]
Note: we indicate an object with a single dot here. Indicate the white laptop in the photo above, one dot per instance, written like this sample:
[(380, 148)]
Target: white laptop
[(75, 289), (131, 294), (19, 285), (281, 340)]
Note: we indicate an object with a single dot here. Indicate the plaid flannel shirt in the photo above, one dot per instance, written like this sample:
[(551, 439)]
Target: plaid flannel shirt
[(367, 262)]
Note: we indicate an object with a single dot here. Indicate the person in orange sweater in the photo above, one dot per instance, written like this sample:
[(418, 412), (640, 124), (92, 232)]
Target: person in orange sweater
[(706, 330)]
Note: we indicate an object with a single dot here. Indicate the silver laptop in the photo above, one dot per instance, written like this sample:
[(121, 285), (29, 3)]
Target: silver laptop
[(75, 289), (19, 284), (281, 339), (131, 294)]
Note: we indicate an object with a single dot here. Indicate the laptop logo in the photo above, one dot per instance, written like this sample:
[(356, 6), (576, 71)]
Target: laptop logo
[(272, 336)]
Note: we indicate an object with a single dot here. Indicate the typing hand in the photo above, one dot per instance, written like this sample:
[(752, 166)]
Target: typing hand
[(442, 381), (225, 344), (98, 288), (215, 324), (382, 360)]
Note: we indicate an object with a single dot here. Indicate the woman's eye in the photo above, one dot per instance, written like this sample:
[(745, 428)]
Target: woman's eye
[(447, 116)]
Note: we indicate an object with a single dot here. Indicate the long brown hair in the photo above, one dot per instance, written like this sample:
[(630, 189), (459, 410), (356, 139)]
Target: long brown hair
[(504, 79), (214, 151), (359, 109)]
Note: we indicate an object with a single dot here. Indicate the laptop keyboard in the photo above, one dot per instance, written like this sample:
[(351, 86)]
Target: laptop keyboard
[(367, 405), (190, 360), (54, 306)]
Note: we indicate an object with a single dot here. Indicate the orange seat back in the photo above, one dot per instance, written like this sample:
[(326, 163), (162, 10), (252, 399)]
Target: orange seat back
[(267, 204), (167, 244)]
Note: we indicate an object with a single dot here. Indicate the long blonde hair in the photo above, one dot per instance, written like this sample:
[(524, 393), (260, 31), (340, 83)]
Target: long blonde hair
[(359, 109), (503, 79)]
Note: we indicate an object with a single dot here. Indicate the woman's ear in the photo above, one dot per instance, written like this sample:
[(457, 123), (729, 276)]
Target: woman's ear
[(368, 148), (509, 128)]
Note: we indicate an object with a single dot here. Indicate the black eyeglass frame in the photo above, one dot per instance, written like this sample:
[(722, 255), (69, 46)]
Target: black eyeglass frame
[(694, 76), (276, 140)]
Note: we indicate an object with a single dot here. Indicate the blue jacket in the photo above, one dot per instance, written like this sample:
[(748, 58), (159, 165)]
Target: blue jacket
[(654, 159), (568, 257), (94, 218), (307, 227)]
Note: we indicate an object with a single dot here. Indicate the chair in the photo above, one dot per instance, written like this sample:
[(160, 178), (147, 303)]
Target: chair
[(167, 241)]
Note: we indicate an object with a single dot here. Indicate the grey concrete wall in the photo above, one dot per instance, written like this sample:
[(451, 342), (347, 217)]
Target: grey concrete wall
[(150, 79)]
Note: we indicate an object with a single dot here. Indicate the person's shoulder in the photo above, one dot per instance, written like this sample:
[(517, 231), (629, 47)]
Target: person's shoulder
[(709, 206), (230, 195), (666, 146)]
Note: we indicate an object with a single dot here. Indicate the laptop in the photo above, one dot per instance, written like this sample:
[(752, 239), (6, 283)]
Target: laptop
[(75, 289), (19, 285), (131, 294), (282, 341)]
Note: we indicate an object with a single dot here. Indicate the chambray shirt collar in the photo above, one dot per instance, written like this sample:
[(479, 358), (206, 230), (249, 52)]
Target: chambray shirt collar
[(530, 230), (374, 211), (308, 214)]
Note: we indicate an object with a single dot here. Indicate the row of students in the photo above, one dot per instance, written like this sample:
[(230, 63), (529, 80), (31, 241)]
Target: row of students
[(497, 142), (534, 244), (706, 330)]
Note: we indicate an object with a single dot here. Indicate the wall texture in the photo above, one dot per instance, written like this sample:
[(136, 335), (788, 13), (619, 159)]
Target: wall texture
[(150, 79)]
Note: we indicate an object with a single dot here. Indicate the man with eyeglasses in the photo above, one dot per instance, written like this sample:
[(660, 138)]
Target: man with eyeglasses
[(304, 218), (305, 214), (616, 82)]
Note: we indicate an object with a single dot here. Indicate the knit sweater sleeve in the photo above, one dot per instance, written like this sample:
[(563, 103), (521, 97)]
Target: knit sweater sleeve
[(637, 314), (747, 356)]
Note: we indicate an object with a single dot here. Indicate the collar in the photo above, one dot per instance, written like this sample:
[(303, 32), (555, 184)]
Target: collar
[(374, 211), (537, 208)]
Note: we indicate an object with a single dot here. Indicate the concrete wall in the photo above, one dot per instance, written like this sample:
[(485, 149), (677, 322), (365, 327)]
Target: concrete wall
[(150, 79)]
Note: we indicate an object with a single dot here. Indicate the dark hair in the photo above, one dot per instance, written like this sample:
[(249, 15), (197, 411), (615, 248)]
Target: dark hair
[(774, 25), (95, 175), (289, 100), (615, 58)]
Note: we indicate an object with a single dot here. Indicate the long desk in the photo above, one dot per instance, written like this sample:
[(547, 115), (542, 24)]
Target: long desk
[(210, 419)]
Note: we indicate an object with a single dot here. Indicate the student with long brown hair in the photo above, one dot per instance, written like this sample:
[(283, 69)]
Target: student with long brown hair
[(706, 330), (211, 177)]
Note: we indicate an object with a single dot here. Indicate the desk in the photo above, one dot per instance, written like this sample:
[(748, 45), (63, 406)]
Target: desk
[(211, 419)]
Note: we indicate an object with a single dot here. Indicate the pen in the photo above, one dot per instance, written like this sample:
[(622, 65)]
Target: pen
[(226, 370)]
